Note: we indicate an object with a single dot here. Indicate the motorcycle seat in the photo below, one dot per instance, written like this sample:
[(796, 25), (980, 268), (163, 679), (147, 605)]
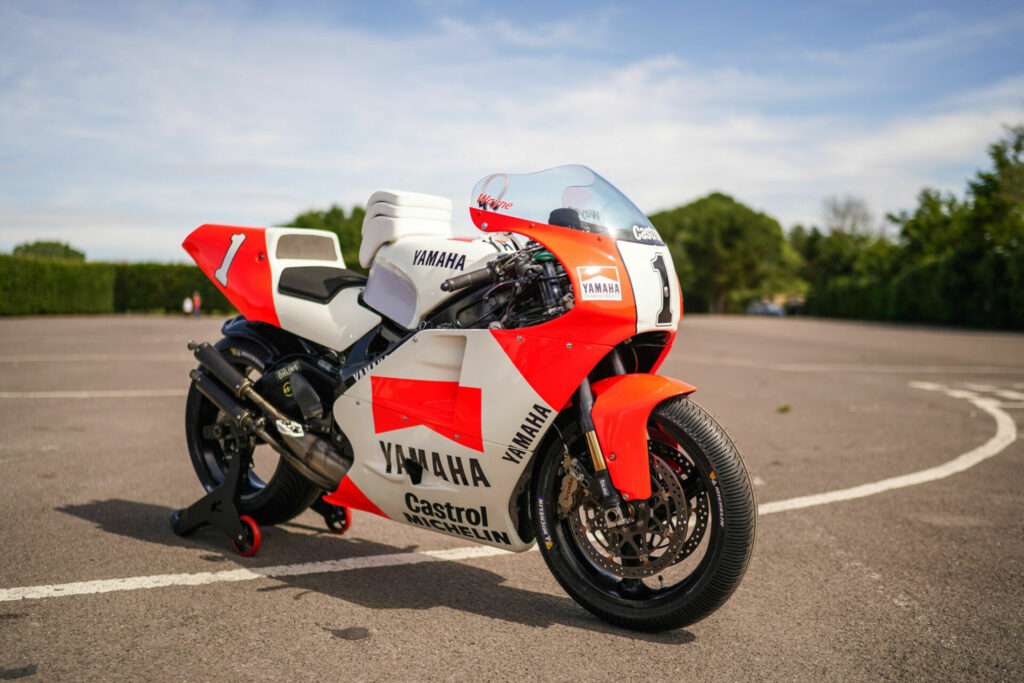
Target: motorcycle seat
[(317, 283), (391, 214)]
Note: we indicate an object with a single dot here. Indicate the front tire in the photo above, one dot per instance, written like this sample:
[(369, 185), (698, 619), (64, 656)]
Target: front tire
[(686, 549)]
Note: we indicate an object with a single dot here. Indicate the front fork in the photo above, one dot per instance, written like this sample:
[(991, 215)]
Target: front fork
[(615, 509)]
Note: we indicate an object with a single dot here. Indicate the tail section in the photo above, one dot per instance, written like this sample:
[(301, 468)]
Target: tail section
[(236, 259)]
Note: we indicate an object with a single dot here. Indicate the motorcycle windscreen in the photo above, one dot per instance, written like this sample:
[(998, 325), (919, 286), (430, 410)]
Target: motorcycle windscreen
[(570, 196)]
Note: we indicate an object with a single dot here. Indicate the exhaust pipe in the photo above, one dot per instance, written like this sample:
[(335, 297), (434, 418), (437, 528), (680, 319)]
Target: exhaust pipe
[(314, 456)]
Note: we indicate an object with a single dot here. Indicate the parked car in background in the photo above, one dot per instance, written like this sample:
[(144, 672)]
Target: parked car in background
[(764, 308)]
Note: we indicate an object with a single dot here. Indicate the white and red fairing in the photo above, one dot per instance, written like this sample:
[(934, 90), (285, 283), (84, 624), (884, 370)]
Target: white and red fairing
[(470, 406), (246, 265)]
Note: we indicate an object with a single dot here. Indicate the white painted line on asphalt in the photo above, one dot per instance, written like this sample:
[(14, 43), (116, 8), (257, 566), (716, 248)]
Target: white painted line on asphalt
[(1011, 395), (468, 553), (96, 358), (114, 393), (20, 458), (45, 450), (128, 584), (857, 367), (1006, 433), (231, 575)]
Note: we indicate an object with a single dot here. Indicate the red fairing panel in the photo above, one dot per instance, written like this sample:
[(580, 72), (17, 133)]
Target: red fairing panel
[(447, 408), (349, 495), (621, 408), (555, 356), (236, 260)]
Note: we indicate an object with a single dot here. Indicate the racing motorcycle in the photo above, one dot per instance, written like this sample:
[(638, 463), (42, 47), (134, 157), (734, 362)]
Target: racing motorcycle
[(499, 389)]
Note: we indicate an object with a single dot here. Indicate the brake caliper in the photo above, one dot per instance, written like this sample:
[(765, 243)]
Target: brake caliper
[(574, 483)]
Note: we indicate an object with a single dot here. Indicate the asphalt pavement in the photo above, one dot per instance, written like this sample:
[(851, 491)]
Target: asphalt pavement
[(890, 541)]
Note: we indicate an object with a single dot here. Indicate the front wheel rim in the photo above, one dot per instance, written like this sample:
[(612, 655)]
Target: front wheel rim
[(700, 549)]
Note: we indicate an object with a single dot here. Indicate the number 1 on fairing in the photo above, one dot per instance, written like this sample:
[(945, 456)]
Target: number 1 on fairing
[(665, 314), (221, 273)]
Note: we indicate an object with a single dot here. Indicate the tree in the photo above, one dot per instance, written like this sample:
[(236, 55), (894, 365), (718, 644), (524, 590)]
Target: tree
[(726, 252), (934, 229), (48, 250), (996, 218), (990, 217), (878, 259), (955, 261), (839, 253), (848, 214)]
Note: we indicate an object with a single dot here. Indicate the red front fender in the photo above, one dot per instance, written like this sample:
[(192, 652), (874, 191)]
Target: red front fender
[(621, 408)]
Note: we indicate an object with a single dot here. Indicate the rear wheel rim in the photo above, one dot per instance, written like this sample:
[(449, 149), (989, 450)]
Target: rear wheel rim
[(215, 452)]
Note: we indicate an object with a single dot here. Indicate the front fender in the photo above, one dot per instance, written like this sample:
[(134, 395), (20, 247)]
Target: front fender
[(622, 406)]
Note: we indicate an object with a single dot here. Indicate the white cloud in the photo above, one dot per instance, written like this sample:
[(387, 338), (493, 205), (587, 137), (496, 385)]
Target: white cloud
[(922, 37), (121, 136)]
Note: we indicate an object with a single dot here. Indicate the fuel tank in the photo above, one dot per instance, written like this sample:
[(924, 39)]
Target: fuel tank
[(406, 276)]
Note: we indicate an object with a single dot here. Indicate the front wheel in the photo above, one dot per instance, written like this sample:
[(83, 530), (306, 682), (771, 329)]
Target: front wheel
[(682, 552)]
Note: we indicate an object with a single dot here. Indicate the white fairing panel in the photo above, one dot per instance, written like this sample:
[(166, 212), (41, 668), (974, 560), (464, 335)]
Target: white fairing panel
[(393, 214), (470, 473), (655, 286), (405, 280), (405, 198), (337, 324), (391, 292)]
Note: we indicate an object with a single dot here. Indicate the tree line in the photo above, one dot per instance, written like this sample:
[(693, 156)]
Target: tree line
[(950, 260), (953, 261)]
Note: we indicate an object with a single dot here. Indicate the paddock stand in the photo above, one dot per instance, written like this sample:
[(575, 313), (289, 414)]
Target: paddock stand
[(219, 508)]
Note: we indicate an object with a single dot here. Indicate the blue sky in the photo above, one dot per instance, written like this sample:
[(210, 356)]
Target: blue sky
[(125, 125)]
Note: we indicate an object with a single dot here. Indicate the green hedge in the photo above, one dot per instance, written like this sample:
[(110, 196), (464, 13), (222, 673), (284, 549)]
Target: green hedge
[(30, 286), (149, 287), (974, 290)]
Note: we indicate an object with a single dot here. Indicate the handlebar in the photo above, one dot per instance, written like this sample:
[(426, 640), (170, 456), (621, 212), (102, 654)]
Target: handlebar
[(474, 277)]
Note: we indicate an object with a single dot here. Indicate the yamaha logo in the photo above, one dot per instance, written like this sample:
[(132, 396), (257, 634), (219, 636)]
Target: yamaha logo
[(599, 283)]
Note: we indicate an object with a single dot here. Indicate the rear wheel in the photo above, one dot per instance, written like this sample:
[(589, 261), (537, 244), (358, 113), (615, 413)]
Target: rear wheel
[(272, 491), (684, 550)]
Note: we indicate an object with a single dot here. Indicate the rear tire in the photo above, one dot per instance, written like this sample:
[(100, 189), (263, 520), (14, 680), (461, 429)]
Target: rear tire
[(283, 495), (655, 582)]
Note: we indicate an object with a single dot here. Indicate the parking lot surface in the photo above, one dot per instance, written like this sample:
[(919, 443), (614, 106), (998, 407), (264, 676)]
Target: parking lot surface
[(886, 460)]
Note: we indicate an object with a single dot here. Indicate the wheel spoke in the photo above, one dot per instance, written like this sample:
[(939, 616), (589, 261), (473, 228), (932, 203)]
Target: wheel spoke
[(650, 543)]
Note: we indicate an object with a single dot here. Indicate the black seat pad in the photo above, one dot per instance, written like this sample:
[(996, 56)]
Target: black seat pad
[(317, 283)]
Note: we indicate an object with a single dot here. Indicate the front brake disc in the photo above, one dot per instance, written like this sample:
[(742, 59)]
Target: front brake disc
[(652, 541)]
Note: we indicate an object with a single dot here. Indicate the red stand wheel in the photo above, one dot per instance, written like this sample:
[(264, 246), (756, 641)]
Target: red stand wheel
[(250, 539)]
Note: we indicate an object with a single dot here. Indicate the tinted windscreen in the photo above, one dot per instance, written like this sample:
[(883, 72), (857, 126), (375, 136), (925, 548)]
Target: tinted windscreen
[(570, 196)]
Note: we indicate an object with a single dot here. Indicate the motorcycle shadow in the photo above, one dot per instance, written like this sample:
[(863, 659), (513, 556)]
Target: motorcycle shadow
[(420, 586)]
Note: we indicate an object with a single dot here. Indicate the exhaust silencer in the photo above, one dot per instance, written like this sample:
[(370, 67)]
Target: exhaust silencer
[(314, 456)]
